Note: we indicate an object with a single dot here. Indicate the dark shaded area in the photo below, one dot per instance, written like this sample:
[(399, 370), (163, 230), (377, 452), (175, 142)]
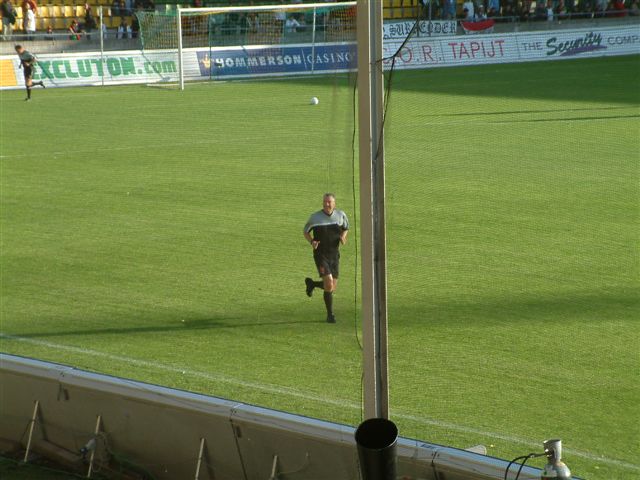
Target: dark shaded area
[(176, 325), (538, 308), (531, 308), (528, 112), (563, 80), (568, 119)]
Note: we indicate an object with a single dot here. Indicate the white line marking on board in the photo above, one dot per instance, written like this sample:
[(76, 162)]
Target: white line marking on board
[(280, 390)]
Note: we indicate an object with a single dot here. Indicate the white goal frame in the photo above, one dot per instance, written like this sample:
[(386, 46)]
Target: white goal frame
[(259, 8)]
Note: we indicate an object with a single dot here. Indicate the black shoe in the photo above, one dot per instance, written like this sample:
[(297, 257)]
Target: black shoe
[(310, 286), (43, 86), (27, 99), (331, 318)]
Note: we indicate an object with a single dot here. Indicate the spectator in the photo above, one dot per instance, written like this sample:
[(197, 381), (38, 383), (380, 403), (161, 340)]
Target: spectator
[(495, 5), (26, 4), (8, 18), (30, 23), (148, 5), (291, 25), (74, 30), (468, 10), (525, 10), (480, 15), (302, 23), (89, 21), (49, 33), (561, 10), (601, 7), (587, 6), (124, 30), (449, 9), (104, 30), (430, 9), (115, 8), (541, 10), (280, 17), (549, 11), (634, 9), (128, 8), (509, 9), (135, 27), (619, 7)]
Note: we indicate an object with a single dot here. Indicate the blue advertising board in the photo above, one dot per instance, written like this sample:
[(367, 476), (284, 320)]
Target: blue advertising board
[(235, 61)]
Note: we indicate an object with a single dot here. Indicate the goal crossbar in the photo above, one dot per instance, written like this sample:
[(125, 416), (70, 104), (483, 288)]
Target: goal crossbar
[(186, 12)]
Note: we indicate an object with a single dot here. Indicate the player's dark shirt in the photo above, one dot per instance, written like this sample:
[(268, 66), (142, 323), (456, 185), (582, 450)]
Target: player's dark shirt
[(27, 59), (327, 229)]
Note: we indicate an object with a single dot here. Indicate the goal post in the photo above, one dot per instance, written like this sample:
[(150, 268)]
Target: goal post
[(210, 43)]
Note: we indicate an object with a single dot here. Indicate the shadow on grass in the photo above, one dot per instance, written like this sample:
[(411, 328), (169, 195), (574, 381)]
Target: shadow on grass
[(532, 309), (527, 112), (179, 324), (602, 80)]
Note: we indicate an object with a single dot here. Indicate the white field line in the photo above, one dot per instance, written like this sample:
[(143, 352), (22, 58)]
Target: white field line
[(287, 391)]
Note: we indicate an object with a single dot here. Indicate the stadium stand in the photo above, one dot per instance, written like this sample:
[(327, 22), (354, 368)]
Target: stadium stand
[(59, 15)]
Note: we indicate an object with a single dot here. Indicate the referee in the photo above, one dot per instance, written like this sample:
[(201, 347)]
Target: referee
[(329, 227), (27, 62)]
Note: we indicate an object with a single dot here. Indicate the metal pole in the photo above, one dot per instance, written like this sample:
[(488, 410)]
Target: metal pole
[(180, 66), (93, 451), (200, 452), (313, 42), (34, 419), (101, 42), (372, 214)]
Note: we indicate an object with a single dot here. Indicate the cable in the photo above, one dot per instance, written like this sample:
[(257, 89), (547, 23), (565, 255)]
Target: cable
[(355, 215), (524, 459), (355, 223), (41, 467)]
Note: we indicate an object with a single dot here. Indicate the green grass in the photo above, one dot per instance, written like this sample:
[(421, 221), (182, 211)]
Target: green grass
[(165, 227)]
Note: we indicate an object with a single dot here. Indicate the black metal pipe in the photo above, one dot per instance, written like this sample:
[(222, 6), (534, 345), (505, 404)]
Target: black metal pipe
[(376, 439)]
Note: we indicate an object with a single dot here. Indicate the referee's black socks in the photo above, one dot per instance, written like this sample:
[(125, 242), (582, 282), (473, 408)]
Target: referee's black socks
[(29, 92), (328, 302), (318, 284)]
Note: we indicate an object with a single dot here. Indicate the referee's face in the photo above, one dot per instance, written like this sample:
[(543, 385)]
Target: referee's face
[(328, 204)]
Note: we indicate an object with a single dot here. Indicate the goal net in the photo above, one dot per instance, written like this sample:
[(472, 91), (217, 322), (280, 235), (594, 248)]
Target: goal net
[(249, 41)]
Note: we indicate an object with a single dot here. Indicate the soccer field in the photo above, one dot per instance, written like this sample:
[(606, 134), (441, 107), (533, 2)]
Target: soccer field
[(157, 235)]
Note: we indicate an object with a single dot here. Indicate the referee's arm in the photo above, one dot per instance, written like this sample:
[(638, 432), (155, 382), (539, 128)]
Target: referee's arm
[(343, 236), (345, 230), (314, 243)]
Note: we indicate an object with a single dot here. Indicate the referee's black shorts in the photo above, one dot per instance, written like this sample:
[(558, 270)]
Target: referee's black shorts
[(327, 263), (28, 72)]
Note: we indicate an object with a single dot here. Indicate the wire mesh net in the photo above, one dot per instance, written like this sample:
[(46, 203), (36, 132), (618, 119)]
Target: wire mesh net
[(509, 228), (219, 35), (176, 255)]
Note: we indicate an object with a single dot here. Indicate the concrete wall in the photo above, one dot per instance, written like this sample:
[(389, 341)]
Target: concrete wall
[(159, 429)]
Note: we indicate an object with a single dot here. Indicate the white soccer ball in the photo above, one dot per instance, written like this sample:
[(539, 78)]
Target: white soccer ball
[(314, 101)]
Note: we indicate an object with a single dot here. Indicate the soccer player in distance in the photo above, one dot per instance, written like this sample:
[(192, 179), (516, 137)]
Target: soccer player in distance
[(27, 62), (330, 227)]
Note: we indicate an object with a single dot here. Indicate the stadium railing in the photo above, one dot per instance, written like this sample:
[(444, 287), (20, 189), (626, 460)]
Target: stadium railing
[(60, 39)]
